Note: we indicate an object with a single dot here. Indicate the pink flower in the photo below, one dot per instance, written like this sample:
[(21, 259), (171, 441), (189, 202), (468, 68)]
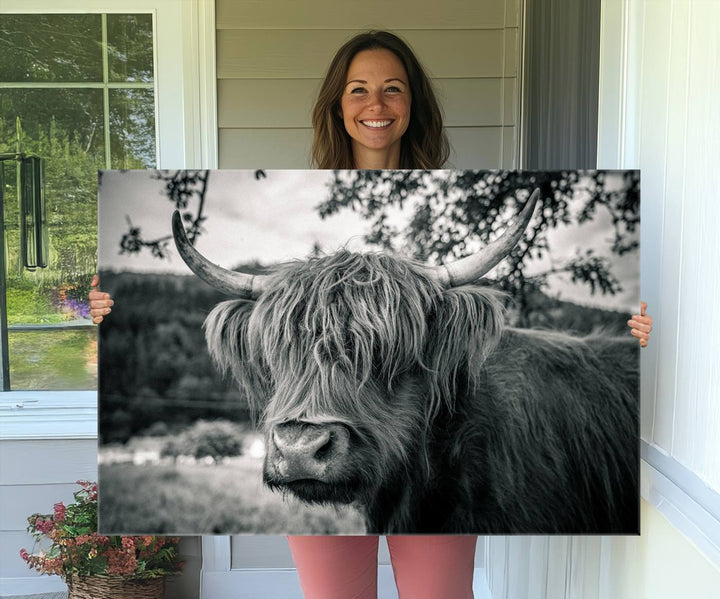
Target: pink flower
[(59, 512), (24, 554), (128, 543), (121, 561), (44, 526)]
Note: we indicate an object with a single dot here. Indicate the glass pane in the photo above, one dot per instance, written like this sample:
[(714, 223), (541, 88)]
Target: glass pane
[(53, 359), (50, 48), (130, 47), (132, 128), (65, 128), (53, 122)]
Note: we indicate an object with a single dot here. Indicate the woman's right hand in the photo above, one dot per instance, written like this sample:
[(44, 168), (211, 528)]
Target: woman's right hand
[(99, 302), (641, 325)]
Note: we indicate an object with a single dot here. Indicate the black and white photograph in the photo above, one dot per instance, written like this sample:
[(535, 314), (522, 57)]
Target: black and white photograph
[(355, 352)]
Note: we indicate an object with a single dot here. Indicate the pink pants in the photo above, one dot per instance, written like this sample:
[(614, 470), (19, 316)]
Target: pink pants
[(425, 567)]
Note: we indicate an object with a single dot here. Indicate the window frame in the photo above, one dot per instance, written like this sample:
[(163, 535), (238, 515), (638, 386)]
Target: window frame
[(184, 33)]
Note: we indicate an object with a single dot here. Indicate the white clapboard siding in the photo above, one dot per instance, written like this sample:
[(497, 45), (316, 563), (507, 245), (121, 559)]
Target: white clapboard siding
[(288, 103), (35, 475), (19, 501), (475, 147), (264, 148), (251, 54), (330, 14), (52, 461), (471, 147), (271, 58)]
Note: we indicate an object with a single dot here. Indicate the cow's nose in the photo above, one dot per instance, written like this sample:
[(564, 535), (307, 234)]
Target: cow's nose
[(307, 451)]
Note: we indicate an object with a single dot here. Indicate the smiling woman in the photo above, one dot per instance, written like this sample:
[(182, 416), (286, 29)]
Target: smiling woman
[(375, 106), (377, 109)]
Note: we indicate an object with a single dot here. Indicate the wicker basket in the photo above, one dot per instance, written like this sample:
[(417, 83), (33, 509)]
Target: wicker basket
[(116, 587)]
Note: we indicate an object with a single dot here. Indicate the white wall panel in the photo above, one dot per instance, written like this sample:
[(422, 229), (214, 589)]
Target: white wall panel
[(659, 111), (672, 228), (697, 420), (654, 85)]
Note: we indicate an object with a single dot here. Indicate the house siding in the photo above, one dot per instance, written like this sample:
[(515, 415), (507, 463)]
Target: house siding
[(271, 60)]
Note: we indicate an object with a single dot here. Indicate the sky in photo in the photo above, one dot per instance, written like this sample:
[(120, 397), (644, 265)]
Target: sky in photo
[(274, 219)]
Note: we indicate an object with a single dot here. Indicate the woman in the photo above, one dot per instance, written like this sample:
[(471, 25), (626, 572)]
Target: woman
[(377, 110)]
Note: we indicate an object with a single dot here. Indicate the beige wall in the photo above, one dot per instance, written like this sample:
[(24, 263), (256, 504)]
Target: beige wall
[(271, 57), (660, 564)]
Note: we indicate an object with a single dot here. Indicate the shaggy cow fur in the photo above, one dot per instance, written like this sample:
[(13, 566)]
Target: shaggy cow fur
[(453, 422)]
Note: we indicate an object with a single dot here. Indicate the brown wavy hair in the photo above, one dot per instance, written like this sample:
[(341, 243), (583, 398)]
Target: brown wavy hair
[(424, 144)]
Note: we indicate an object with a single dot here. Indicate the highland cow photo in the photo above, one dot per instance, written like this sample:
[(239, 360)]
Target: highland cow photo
[(349, 352)]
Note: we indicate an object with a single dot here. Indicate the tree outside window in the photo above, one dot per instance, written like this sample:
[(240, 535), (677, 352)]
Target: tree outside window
[(78, 91)]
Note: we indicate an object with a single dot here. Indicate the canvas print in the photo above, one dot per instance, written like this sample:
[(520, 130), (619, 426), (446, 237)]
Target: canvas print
[(349, 352)]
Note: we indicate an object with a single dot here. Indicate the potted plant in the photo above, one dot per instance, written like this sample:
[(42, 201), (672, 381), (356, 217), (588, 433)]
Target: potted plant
[(95, 565)]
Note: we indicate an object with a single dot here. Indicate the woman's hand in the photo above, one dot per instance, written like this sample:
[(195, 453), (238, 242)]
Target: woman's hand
[(641, 325), (99, 302)]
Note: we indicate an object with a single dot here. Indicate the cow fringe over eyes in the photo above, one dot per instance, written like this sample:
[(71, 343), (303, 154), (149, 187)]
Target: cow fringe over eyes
[(337, 337)]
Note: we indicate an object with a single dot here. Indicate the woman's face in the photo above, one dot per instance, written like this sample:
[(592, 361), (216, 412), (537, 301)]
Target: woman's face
[(375, 103)]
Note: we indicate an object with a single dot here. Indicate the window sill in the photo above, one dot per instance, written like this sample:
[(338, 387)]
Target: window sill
[(690, 506), (48, 415)]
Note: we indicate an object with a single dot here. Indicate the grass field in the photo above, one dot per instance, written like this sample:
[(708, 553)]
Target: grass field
[(53, 359), (225, 498)]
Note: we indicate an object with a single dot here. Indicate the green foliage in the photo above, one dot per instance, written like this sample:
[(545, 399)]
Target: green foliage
[(53, 359), (66, 127), (77, 550)]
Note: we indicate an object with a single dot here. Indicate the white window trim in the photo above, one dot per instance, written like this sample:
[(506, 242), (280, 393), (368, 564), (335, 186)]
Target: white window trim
[(186, 124)]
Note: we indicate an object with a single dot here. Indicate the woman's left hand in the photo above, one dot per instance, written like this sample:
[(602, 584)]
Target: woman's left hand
[(641, 325), (100, 303)]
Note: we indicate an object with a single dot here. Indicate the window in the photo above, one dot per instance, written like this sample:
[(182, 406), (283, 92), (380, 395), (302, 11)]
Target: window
[(186, 137), (77, 91)]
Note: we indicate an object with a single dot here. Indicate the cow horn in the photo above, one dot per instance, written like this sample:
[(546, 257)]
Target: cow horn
[(471, 268), (237, 284)]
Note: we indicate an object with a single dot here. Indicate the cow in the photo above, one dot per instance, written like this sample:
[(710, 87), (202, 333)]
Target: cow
[(399, 388)]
